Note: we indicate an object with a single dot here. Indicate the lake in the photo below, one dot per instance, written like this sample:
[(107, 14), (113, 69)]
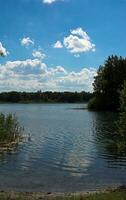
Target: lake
[(68, 150)]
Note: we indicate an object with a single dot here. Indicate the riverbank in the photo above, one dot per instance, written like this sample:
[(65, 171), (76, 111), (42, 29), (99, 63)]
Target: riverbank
[(113, 194)]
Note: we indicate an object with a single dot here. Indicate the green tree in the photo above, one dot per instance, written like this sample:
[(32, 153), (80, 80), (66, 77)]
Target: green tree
[(108, 83), (121, 124)]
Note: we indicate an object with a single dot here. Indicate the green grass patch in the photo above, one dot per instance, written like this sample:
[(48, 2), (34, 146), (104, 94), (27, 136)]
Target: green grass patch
[(113, 195)]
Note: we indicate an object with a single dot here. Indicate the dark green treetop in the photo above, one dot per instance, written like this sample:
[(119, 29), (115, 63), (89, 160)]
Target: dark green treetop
[(108, 82)]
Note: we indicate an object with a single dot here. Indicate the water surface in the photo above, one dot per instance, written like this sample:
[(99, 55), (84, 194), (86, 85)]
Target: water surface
[(68, 150)]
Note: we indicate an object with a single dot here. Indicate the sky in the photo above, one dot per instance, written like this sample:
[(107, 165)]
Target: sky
[(58, 45)]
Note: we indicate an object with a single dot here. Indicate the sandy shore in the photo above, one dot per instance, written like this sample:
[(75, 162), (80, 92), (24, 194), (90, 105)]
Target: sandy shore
[(57, 196), (43, 196)]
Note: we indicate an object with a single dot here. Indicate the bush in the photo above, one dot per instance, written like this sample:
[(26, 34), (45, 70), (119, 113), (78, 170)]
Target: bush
[(10, 129), (96, 103), (92, 103), (121, 123)]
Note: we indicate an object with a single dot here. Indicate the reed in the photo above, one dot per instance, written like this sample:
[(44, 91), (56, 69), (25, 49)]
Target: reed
[(10, 129)]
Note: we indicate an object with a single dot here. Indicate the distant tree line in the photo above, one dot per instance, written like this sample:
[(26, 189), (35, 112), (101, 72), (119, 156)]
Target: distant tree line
[(45, 97)]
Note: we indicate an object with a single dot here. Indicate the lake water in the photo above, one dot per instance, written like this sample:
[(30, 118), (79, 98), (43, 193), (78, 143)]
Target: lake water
[(68, 150)]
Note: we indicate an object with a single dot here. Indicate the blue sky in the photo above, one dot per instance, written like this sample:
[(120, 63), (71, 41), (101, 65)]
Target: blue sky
[(58, 44)]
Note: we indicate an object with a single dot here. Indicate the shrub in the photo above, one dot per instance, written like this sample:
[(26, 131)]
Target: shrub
[(96, 103), (121, 123), (10, 129)]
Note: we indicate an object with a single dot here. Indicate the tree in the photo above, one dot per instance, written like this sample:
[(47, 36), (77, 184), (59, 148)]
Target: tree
[(108, 82), (121, 124)]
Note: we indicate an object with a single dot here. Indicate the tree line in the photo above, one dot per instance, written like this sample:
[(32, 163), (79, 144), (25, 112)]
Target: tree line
[(45, 97)]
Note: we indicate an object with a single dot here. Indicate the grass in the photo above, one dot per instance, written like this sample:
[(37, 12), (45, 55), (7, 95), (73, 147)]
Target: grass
[(10, 130), (112, 195)]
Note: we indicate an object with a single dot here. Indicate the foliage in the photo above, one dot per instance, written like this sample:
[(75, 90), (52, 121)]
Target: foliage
[(118, 143), (108, 83), (121, 124), (10, 129), (95, 103), (65, 97)]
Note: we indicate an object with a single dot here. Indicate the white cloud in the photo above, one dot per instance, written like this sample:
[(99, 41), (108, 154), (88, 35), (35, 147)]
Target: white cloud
[(33, 74), (77, 55), (3, 51), (78, 42), (26, 41), (58, 45), (23, 64), (80, 32), (38, 54), (61, 69), (57, 70), (50, 1), (79, 80)]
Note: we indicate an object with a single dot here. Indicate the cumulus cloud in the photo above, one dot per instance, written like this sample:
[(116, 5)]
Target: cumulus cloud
[(50, 1), (3, 51), (78, 42), (80, 32), (22, 64), (26, 41), (58, 45), (33, 74), (81, 80), (61, 69), (38, 54), (57, 70)]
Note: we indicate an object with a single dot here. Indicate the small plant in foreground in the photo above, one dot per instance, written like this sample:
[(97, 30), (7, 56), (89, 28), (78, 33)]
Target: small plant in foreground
[(10, 130)]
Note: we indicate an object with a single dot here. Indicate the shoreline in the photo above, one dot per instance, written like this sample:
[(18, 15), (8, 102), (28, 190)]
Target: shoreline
[(14, 195), (36, 102)]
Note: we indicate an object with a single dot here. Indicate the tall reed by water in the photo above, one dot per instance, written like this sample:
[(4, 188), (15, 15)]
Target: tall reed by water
[(10, 130)]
